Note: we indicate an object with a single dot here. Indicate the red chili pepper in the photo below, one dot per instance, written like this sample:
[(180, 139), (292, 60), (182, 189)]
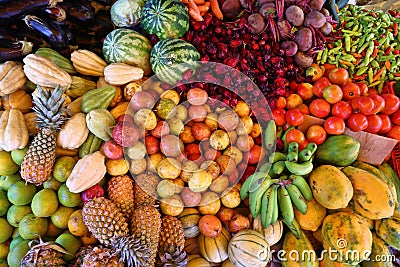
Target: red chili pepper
[(396, 52), (395, 29), (387, 51), (376, 43)]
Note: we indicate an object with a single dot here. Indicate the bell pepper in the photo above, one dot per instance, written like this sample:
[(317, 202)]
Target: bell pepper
[(315, 72)]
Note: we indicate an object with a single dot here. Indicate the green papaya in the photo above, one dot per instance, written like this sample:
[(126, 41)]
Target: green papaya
[(339, 150)]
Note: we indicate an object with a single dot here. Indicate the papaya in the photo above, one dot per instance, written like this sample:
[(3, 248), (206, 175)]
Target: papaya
[(372, 197), (339, 150), (389, 230), (313, 218), (346, 233), (304, 249), (380, 254), (393, 177), (330, 187), (327, 262)]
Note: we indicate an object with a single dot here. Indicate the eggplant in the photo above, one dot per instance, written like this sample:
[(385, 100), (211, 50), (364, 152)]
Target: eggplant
[(105, 2), (100, 27), (14, 50), (16, 8), (77, 11), (56, 13)]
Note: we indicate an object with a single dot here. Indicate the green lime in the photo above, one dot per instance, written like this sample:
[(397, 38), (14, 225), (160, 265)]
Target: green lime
[(44, 203), (63, 168), (70, 243), (61, 216), (18, 155), (17, 253), (7, 181), (20, 193), (53, 231), (6, 230), (7, 165), (4, 203), (67, 198), (15, 232), (31, 226), (15, 241), (4, 250), (52, 183), (16, 213)]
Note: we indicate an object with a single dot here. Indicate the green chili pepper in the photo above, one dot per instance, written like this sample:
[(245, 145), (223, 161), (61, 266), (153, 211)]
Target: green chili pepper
[(384, 58), (370, 75), (362, 48), (369, 52), (374, 64), (324, 56), (349, 24), (374, 84), (361, 71), (391, 76), (335, 50), (362, 40), (347, 41), (348, 57), (367, 19), (370, 37), (385, 18), (319, 56)]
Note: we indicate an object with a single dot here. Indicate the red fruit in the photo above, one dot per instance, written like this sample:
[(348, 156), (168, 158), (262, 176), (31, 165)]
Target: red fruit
[(392, 103), (294, 117), (395, 117), (379, 103), (350, 91), (342, 109), (238, 223), (363, 104), (152, 144), (394, 132), (247, 172), (363, 88), (125, 117), (320, 108), (357, 122), (386, 123), (374, 123), (125, 134), (225, 214), (112, 150), (334, 125), (210, 226), (339, 76), (278, 115), (92, 192)]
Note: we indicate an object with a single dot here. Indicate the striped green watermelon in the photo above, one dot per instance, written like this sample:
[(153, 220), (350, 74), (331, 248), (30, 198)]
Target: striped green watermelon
[(170, 58), (165, 18), (129, 47)]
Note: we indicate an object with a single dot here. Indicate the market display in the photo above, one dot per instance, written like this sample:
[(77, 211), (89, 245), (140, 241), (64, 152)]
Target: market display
[(199, 133)]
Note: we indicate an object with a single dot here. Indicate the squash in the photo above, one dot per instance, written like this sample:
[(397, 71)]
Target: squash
[(389, 230), (190, 219), (100, 123), (380, 254), (87, 172), (313, 218), (74, 107), (44, 72), (192, 245), (88, 63), (331, 188), (99, 98), (12, 77), (19, 100), (249, 248), (74, 132), (197, 261), (118, 95), (121, 73), (61, 61), (215, 249), (272, 234), (302, 246), (79, 87), (91, 145), (13, 130), (227, 263)]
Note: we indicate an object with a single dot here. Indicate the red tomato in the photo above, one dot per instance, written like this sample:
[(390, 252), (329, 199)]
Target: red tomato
[(303, 145), (281, 102), (316, 134), (334, 125), (394, 132), (255, 154), (320, 85), (293, 101), (304, 109), (294, 117), (278, 115), (386, 123), (295, 135), (152, 144), (342, 109), (395, 117), (363, 88), (392, 103), (305, 91), (332, 94), (379, 103), (372, 91), (339, 76), (357, 122), (350, 91), (320, 108), (374, 123), (363, 104)]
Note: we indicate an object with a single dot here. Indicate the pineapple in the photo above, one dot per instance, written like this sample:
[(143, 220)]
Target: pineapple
[(43, 254), (38, 162), (97, 257), (120, 191), (145, 189), (146, 225)]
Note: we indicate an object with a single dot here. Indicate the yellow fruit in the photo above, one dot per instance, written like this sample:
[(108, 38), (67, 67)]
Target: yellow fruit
[(44, 203), (4, 250), (116, 167), (88, 239), (4, 203), (76, 225), (313, 218), (61, 216), (53, 231), (6, 230), (7, 165)]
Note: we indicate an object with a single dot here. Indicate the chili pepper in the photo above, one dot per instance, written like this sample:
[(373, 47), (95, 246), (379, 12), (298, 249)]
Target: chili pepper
[(367, 19), (347, 41), (348, 25), (324, 56), (362, 41), (361, 71), (362, 48), (348, 57), (374, 84), (385, 18), (395, 29), (384, 58), (355, 33), (387, 51), (375, 64), (335, 50), (368, 53), (380, 86), (377, 75)]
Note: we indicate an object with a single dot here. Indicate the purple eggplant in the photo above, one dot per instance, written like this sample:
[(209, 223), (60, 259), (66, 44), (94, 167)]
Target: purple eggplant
[(14, 50), (18, 8), (78, 12)]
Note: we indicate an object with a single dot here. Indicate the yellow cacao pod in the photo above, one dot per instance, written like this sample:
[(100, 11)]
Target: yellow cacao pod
[(74, 132), (12, 77), (79, 87), (121, 73), (19, 100), (99, 122), (74, 107), (13, 131), (88, 63), (119, 110), (30, 121)]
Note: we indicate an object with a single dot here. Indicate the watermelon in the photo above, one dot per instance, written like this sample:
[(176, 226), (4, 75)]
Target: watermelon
[(129, 47), (165, 18), (170, 58)]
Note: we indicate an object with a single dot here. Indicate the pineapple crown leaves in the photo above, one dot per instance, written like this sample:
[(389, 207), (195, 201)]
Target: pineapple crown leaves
[(133, 253), (49, 108), (37, 245), (177, 259)]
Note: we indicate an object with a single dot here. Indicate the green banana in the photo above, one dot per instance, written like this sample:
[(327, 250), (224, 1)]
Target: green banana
[(392, 175), (274, 205), (293, 147), (292, 156), (305, 155), (299, 168), (257, 181), (302, 185), (256, 197), (265, 167), (266, 213), (270, 135), (279, 131), (278, 156), (312, 147), (285, 205), (285, 144), (277, 168), (297, 198), (244, 190), (294, 227)]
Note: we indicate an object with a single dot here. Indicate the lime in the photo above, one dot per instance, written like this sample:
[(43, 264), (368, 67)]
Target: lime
[(17, 253), (53, 231), (7, 165), (61, 216), (16, 213), (31, 226), (70, 243), (67, 198), (15, 241), (4, 203), (63, 168), (7, 181), (44, 203), (52, 183), (76, 225), (18, 155), (4, 250), (15, 233), (20, 193), (6, 230)]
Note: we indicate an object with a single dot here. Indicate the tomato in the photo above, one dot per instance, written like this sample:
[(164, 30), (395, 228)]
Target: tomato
[(363, 104), (374, 123), (320, 108), (293, 85), (394, 132), (357, 122), (342, 109), (303, 145), (295, 135), (316, 134), (320, 85), (386, 123), (278, 115), (350, 91), (334, 125), (363, 88), (379, 103), (332, 94), (372, 91), (305, 91), (315, 72), (294, 117), (328, 67), (392, 103), (395, 117), (281, 102), (304, 109), (293, 101), (339, 76)]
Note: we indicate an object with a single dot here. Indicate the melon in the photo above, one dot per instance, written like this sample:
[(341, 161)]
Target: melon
[(215, 249)]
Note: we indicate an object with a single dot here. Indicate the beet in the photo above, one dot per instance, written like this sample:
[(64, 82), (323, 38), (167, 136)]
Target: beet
[(284, 28), (325, 12), (295, 15), (316, 5), (262, 2), (231, 9), (326, 29), (315, 19), (303, 38), (303, 59), (268, 10), (256, 23), (290, 48)]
